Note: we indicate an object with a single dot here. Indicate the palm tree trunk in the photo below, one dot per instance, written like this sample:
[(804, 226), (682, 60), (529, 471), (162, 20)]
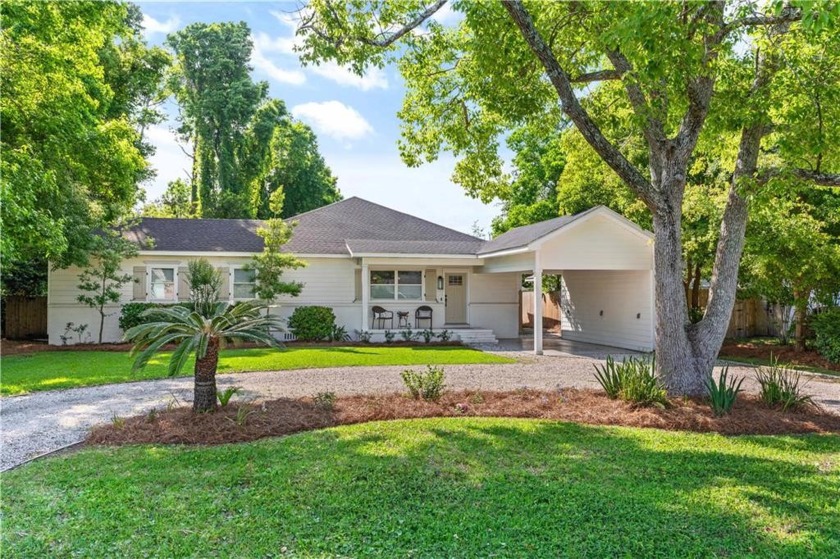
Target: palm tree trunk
[(204, 396)]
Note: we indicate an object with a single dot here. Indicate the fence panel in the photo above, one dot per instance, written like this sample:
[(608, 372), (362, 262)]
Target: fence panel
[(24, 317), (550, 310)]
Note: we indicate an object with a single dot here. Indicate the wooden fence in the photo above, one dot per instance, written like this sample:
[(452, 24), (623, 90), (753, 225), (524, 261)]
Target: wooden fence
[(24, 317), (550, 310)]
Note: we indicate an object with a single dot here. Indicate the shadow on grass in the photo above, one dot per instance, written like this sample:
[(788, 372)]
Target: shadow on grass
[(441, 488)]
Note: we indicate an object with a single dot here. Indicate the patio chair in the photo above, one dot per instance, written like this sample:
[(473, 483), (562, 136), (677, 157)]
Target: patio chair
[(381, 315), (421, 314)]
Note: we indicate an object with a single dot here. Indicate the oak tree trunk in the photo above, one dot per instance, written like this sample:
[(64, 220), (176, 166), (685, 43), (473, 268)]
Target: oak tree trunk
[(204, 393), (801, 314)]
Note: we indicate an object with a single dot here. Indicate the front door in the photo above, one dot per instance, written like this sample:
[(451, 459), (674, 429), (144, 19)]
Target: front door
[(456, 298)]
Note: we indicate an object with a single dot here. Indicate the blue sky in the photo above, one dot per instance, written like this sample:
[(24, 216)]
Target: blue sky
[(354, 117)]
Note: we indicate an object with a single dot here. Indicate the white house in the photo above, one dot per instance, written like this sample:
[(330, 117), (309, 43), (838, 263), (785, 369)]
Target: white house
[(361, 255)]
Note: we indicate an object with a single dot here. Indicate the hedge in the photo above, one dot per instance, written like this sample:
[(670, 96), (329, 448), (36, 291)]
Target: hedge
[(312, 324)]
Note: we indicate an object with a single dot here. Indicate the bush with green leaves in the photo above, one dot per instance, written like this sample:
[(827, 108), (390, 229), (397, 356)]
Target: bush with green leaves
[(131, 314), (826, 326), (339, 334), (633, 380), (312, 324), (389, 336), (427, 386), (407, 335), (723, 392), (225, 395), (205, 283), (364, 336), (428, 335), (782, 387), (324, 400), (444, 335)]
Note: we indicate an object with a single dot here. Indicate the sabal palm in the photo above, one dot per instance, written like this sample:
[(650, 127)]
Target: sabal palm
[(202, 334)]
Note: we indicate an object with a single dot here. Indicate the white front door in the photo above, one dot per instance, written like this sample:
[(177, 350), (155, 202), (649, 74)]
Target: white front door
[(456, 298)]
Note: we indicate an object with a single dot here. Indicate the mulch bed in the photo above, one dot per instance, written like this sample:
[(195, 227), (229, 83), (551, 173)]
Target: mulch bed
[(285, 416), (785, 353)]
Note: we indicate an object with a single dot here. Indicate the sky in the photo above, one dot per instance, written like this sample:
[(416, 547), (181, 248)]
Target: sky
[(355, 118)]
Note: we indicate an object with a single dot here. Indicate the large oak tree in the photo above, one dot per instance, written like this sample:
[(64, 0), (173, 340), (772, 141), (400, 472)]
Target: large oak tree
[(690, 72)]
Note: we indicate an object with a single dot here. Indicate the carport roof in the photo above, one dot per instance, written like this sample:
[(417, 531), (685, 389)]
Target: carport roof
[(523, 236)]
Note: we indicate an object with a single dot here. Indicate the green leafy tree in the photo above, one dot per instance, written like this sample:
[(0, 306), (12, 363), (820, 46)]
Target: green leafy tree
[(202, 335), (685, 70), (269, 265), (205, 282), (102, 280), (71, 150), (174, 202), (217, 99), (792, 255)]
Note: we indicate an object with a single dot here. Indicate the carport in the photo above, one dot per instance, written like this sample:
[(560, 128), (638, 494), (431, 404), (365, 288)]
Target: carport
[(606, 265)]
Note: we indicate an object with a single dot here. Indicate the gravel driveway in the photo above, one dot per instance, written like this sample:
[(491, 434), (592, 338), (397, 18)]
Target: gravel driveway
[(45, 421)]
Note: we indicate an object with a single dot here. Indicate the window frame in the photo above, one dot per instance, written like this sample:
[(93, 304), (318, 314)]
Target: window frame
[(233, 283), (396, 284), (150, 282)]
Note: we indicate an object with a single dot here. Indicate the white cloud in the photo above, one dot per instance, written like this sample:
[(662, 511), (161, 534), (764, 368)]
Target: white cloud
[(287, 19), (152, 26), (446, 15), (373, 79), (334, 119), (263, 45), (169, 161)]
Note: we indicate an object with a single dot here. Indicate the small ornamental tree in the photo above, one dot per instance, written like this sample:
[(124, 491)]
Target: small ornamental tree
[(268, 266), (205, 281), (102, 280)]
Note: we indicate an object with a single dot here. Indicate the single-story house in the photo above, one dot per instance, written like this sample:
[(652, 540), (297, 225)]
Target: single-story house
[(362, 255)]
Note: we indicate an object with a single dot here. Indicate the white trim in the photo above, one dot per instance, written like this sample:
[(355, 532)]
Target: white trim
[(175, 281), (231, 297), (583, 218), (411, 255), (396, 284), (506, 252), (365, 295), (538, 333), (467, 273)]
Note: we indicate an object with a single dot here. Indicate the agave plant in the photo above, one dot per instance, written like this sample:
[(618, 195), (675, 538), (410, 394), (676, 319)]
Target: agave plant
[(203, 334)]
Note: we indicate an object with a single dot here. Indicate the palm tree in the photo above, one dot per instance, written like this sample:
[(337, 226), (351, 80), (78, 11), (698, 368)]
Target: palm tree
[(194, 332)]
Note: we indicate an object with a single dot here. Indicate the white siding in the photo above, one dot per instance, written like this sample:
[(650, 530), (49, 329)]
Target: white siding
[(523, 262), (494, 303), (624, 297), (327, 281), (598, 243)]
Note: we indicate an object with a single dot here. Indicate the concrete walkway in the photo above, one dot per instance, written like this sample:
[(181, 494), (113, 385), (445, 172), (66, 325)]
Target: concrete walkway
[(45, 421)]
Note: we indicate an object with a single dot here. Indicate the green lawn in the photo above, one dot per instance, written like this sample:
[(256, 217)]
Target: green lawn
[(436, 488), (50, 370)]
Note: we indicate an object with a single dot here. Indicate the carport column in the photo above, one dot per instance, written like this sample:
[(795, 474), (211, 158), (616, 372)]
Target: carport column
[(538, 308), (365, 295)]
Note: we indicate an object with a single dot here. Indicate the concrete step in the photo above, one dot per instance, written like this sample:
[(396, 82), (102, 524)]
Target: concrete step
[(476, 336)]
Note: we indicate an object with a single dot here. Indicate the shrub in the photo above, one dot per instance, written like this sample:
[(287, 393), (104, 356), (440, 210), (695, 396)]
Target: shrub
[(444, 335), (324, 400), (130, 314), (781, 387), (225, 396), (389, 336), (364, 336), (339, 334), (205, 281), (312, 324), (427, 335), (633, 380), (723, 392), (407, 335), (610, 377), (425, 386), (826, 326)]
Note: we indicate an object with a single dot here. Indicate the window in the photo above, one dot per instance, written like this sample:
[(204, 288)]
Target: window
[(243, 283), (162, 284), (407, 285), (456, 281)]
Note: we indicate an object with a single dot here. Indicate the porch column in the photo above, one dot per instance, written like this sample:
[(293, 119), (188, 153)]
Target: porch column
[(365, 295), (538, 308)]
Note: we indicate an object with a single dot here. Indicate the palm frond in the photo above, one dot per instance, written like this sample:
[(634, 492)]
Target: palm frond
[(180, 356)]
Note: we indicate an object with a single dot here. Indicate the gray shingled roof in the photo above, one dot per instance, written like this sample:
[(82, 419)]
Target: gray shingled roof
[(525, 235), (371, 227)]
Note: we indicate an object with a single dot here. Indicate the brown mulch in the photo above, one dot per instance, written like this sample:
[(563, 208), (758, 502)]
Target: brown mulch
[(285, 416), (785, 354)]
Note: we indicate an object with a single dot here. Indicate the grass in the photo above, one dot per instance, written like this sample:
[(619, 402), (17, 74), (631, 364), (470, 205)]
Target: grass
[(49, 370), (436, 488)]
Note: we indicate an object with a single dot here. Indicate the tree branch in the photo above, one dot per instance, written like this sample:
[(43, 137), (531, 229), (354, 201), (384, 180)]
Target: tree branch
[(382, 39), (789, 15), (818, 178), (572, 107), (597, 76)]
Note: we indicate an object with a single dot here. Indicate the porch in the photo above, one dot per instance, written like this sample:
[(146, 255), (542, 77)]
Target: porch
[(556, 345)]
